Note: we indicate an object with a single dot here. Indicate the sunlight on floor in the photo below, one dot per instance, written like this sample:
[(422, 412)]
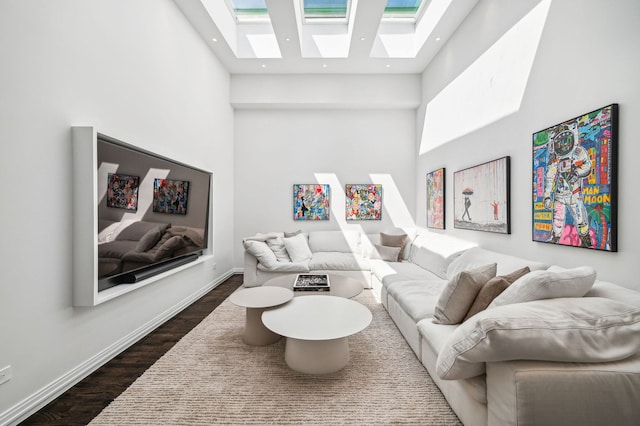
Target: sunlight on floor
[(493, 86)]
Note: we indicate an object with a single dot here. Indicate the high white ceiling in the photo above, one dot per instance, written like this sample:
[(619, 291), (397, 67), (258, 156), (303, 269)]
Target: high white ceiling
[(364, 44)]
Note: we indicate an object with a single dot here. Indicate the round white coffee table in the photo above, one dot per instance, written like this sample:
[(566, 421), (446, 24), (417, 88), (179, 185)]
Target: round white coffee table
[(257, 300), (317, 331), (341, 286)]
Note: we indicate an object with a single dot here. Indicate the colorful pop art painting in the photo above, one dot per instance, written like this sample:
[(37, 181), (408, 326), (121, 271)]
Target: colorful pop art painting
[(481, 197), (170, 196), (311, 201), (363, 201), (435, 199), (574, 181), (122, 191)]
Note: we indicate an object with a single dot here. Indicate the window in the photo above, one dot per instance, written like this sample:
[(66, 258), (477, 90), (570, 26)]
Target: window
[(402, 9), (246, 10), (326, 9)]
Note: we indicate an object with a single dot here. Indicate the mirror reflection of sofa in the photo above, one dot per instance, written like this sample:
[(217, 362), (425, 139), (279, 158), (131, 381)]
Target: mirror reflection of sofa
[(127, 245)]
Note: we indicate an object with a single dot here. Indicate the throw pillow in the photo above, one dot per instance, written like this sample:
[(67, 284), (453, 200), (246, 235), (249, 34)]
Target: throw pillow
[(261, 251), (168, 247), (394, 240), (292, 234), (389, 254), (277, 246), (581, 329), (149, 239), (538, 285), (298, 248), (492, 289), (460, 292)]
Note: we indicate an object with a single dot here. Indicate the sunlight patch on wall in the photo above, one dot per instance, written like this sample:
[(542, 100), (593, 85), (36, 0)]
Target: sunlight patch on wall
[(392, 201), (489, 89)]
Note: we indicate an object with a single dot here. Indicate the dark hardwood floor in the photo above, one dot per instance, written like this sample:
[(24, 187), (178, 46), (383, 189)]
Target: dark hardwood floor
[(84, 401)]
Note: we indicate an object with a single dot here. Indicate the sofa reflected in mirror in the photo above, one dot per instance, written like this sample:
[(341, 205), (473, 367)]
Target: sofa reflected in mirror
[(129, 246)]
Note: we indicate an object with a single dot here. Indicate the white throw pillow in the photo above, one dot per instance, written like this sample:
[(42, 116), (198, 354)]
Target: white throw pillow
[(538, 285), (460, 292), (277, 246), (262, 252), (298, 248), (583, 329)]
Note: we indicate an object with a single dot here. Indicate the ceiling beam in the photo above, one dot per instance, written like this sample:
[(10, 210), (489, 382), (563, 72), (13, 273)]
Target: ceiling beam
[(285, 27), (363, 26)]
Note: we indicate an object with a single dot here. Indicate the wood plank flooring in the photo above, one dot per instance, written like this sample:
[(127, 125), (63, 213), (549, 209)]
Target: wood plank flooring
[(84, 401)]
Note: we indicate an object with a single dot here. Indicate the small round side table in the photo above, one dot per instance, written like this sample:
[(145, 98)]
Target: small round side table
[(257, 300)]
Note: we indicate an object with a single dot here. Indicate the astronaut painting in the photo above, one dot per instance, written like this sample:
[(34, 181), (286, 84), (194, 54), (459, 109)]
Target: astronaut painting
[(574, 194)]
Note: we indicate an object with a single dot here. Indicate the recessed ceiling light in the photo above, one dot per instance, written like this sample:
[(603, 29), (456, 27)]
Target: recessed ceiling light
[(388, 66), (324, 65), (215, 40), (437, 38), (363, 38), (263, 65), (287, 39)]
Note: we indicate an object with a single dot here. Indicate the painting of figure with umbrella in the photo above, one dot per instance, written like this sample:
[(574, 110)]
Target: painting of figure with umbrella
[(481, 197)]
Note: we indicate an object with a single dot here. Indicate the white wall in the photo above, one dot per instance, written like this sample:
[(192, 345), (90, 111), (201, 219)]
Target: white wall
[(514, 69), (276, 149), (140, 73)]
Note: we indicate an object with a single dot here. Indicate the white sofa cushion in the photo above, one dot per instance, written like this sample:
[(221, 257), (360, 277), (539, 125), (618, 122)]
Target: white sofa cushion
[(477, 256), (435, 251), (338, 262), (585, 329), (341, 241), (287, 267), (297, 248), (416, 298), (548, 284), (460, 292), (390, 272), (261, 251)]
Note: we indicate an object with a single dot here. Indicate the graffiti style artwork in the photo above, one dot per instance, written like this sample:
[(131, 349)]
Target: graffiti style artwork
[(435, 199), (311, 202), (481, 197), (170, 196), (122, 191), (574, 181), (364, 201)]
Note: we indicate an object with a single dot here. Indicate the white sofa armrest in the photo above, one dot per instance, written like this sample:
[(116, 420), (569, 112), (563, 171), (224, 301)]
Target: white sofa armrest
[(250, 270), (557, 393)]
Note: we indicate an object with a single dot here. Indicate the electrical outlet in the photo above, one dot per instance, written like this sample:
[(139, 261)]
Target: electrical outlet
[(5, 374), (213, 266)]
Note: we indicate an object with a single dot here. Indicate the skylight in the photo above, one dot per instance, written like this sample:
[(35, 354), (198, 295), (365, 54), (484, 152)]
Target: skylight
[(245, 10), (326, 9), (402, 8)]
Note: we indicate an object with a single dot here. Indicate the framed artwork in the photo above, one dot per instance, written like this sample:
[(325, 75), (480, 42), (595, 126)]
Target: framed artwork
[(122, 191), (575, 181), (364, 201), (170, 196), (481, 197), (311, 201), (435, 199)]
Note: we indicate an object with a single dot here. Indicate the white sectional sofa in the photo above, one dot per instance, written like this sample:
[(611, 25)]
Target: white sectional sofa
[(556, 361)]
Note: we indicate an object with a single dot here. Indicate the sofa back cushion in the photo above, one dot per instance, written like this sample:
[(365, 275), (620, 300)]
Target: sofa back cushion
[(478, 256), (340, 241), (582, 329), (136, 230), (434, 252)]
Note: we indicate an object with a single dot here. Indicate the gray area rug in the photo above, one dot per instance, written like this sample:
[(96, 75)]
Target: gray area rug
[(212, 377)]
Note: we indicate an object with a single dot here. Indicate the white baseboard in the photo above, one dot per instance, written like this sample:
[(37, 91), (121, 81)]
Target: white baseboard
[(33, 403)]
